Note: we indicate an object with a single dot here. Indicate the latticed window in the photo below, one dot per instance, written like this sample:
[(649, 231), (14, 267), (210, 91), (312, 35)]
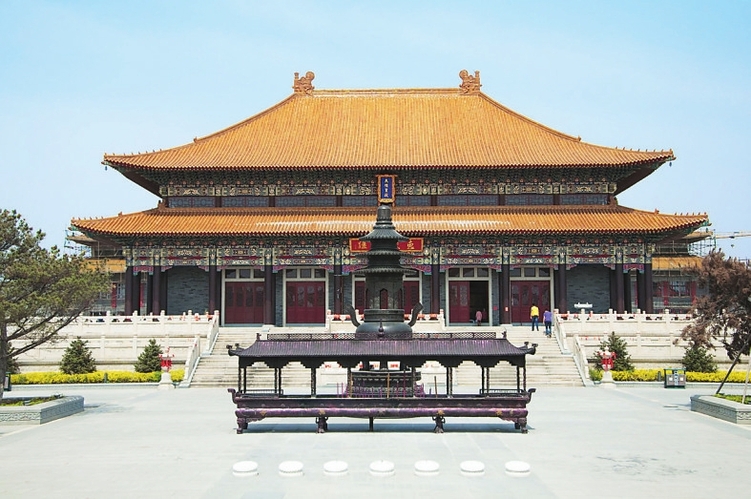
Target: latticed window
[(598, 199), (244, 201), (528, 199), (191, 202), (302, 201), (413, 200), (359, 201), (468, 200)]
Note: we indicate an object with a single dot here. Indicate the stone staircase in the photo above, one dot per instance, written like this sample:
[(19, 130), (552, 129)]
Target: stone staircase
[(548, 367), (220, 370)]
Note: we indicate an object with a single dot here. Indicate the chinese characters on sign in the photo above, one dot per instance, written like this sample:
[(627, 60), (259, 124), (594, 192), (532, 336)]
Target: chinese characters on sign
[(414, 245), (386, 188)]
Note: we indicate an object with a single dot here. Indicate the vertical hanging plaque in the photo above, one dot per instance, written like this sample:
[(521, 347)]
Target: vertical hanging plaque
[(386, 188)]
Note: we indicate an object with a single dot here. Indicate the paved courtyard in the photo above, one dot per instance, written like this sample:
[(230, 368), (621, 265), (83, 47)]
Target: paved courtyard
[(626, 442)]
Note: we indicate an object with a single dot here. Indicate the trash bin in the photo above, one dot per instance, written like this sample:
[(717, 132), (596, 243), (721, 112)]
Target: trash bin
[(675, 378), (6, 383)]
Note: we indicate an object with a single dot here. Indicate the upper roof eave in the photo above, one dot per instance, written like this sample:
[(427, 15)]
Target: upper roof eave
[(348, 222), (393, 129)]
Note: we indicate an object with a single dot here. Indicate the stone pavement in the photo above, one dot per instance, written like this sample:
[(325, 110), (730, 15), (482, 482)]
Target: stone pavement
[(624, 442)]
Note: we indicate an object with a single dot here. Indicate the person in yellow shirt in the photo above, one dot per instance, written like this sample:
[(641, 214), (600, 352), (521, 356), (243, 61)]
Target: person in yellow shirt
[(534, 314)]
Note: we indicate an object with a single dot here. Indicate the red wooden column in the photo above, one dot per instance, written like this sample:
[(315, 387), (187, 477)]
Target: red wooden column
[(648, 299), (505, 279), (269, 292), (132, 291), (619, 298), (338, 288), (641, 291), (627, 292), (561, 289), (435, 288), (149, 293), (214, 291), (156, 291)]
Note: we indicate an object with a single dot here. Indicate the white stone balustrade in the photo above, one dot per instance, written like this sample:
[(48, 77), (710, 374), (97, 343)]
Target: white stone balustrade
[(117, 341)]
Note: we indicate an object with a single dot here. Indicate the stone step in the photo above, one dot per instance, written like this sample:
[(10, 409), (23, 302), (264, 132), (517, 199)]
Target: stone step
[(547, 367)]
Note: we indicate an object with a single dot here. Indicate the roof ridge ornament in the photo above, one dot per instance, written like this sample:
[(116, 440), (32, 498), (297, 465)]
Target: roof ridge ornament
[(470, 84), (304, 85)]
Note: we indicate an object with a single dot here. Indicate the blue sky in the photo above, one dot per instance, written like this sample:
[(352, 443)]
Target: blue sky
[(81, 78)]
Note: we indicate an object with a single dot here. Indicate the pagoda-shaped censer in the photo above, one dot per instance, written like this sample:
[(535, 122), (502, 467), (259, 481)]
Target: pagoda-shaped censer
[(384, 275)]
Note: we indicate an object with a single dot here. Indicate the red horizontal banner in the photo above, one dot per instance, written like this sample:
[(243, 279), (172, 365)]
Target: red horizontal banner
[(415, 244)]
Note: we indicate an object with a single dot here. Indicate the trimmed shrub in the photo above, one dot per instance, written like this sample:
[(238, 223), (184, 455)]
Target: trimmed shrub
[(699, 359), (149, 361), (56, 378), (695, 377), (716, 377), (636, 375), (77, 358)]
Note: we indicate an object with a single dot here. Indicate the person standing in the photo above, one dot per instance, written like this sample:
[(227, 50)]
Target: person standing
[(547, 318), (534, 314), (478, 317)]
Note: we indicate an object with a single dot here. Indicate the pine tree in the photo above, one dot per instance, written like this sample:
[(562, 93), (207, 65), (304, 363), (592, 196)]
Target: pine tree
[(149, 361), (77, 358), (698, 359), (617, 345), (41, 290)]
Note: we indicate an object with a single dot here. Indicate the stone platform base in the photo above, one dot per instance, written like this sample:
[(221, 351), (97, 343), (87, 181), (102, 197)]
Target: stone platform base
[(41, 413), (726, 410)]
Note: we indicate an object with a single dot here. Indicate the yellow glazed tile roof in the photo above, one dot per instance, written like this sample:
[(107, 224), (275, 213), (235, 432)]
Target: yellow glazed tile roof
[(423, 221), (394, 129)]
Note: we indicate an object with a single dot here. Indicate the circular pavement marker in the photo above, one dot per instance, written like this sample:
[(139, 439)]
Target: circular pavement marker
[(335, 468), (290, 468), (245, 468), (517, 468), (426, 468), (472, 468), (381, 468)]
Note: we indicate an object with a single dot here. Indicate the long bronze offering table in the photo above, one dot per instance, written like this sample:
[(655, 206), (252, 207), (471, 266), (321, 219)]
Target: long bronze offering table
[(508, 405)]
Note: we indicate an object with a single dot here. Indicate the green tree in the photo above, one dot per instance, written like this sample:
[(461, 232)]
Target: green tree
[(41, 290), (617, 345), (149, 361), (699, 359), (724, 313), (77, 358)]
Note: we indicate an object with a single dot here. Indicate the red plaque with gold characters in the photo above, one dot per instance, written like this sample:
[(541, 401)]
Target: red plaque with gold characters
[(414, 245)]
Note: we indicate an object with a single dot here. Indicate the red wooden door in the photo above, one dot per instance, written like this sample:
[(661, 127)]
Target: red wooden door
[(459, 309), (243, 302), (526, 293), (306, 302), (258, 301), (360, 296), (411, 295)]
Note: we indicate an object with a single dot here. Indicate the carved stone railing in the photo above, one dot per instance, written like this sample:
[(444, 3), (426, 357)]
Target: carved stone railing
[(116, 341), (654, 340), (424, 322)]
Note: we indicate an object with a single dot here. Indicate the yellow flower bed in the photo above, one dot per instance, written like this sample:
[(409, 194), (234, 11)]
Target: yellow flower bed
[(651, 375), (56, 377)]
